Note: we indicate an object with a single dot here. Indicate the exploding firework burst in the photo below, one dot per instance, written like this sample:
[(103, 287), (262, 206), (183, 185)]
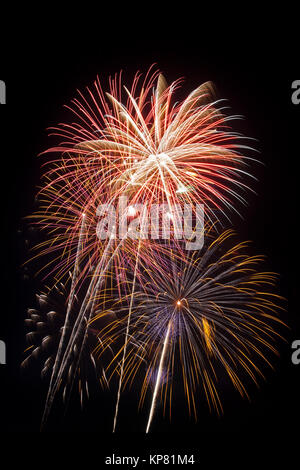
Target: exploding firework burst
[(142, 143), (207, 310), (146, 146), (150, 146)]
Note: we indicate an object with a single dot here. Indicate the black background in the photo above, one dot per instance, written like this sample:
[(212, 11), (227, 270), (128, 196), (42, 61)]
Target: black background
[(42, 70)]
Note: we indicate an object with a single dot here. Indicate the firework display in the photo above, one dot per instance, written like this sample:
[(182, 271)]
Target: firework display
[(144, 278)]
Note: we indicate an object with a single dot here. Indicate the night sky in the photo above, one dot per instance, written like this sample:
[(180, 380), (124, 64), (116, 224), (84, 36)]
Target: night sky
[(42, 73)]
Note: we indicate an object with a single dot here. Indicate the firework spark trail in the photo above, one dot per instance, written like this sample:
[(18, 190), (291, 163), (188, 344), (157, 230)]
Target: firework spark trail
[(144, 216), (92, 289), (66, 324), (157, 384), (97, 288), (126, 339), (86, 306)]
